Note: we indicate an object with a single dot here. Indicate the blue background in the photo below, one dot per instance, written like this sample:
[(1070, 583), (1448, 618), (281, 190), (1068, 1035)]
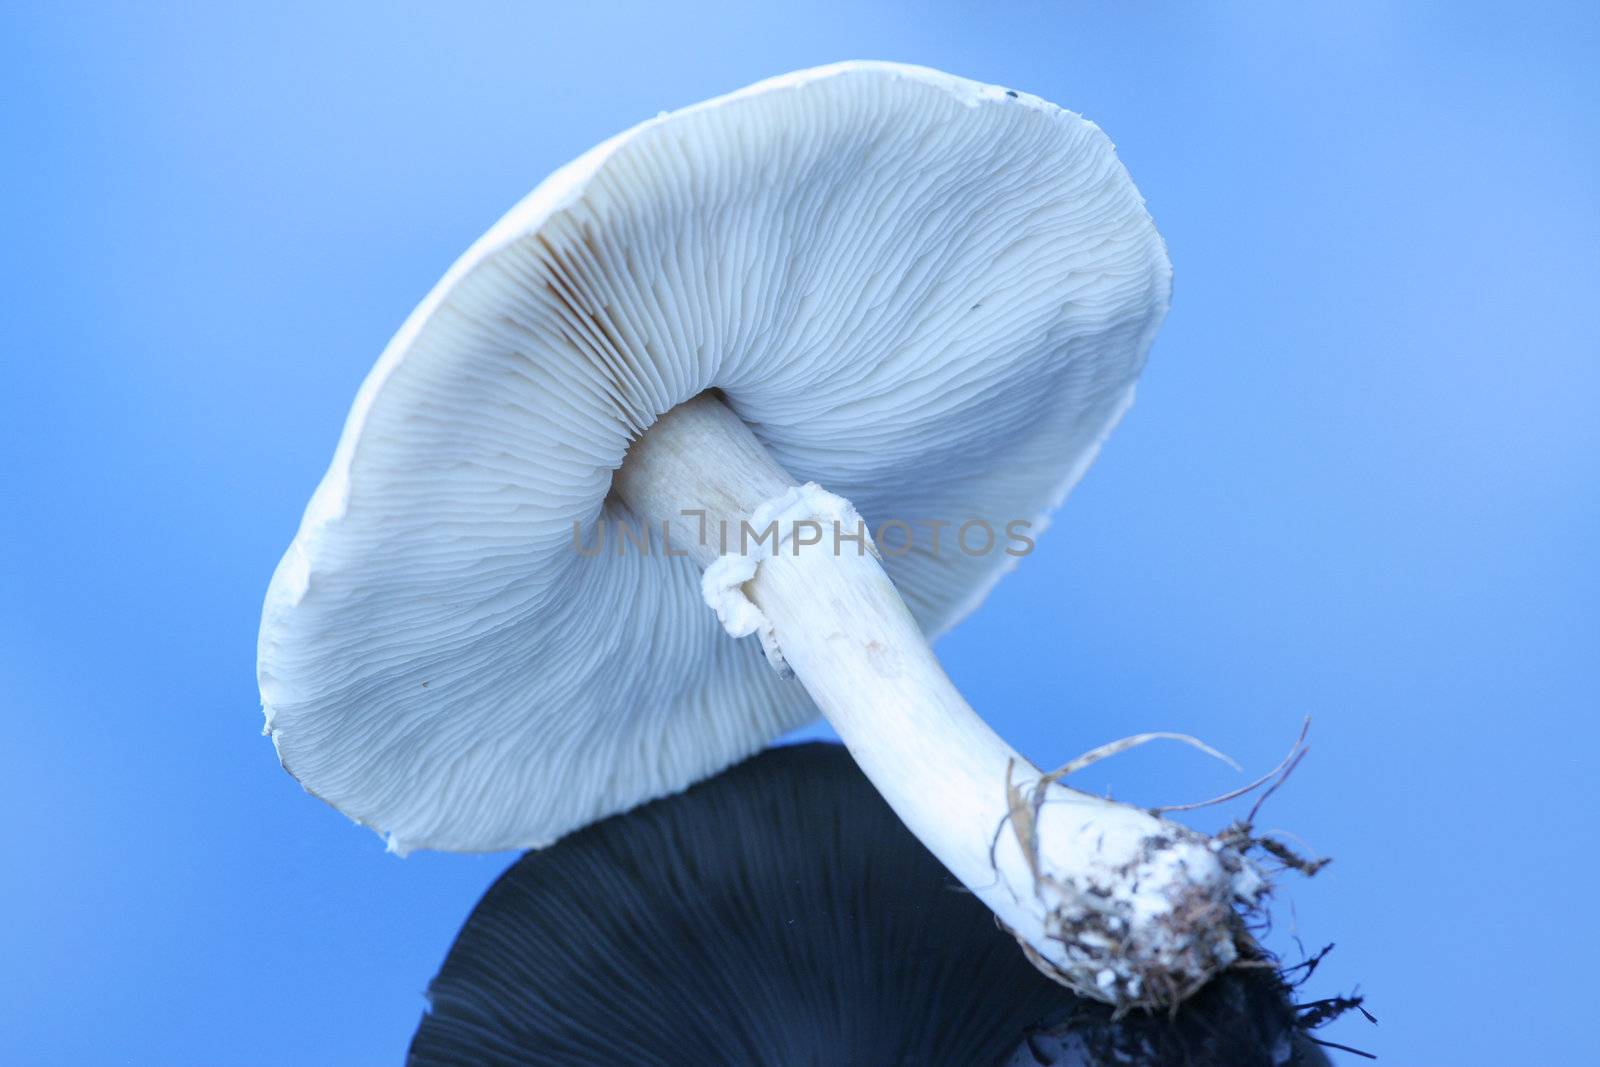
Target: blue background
[(1360, 481)]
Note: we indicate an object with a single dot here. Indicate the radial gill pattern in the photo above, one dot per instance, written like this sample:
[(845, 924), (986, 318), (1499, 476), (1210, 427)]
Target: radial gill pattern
[(930, 296)]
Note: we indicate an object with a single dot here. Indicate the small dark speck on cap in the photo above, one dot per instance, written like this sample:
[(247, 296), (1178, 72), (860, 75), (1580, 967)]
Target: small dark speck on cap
[(1012, 93)]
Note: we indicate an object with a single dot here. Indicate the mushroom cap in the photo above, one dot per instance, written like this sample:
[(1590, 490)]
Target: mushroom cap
[(780, 913), (928, 295)]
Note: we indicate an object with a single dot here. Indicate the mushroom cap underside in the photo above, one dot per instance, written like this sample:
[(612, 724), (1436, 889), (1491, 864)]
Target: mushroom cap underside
[(930, 296)]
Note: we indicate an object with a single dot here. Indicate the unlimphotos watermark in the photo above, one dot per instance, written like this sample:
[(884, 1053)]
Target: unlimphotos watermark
[(892, 537)]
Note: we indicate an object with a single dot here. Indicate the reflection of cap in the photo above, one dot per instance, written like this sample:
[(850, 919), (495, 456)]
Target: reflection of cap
[(776, 914), (781, 914)]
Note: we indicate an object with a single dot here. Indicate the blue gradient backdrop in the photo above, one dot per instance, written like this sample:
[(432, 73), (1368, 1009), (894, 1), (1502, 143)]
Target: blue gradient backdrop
[(1360, 481)]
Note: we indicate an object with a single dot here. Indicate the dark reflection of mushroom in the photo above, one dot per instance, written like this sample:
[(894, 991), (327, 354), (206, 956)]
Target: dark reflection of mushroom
[(780, 914)]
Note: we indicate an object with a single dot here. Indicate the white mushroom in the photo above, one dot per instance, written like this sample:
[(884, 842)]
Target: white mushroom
[(862, 290)]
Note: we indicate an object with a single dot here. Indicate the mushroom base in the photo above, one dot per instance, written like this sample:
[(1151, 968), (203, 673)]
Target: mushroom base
[(1145, 928)]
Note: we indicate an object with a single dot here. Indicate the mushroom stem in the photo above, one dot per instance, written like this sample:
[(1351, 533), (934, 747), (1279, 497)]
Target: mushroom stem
[(1106, 898)]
